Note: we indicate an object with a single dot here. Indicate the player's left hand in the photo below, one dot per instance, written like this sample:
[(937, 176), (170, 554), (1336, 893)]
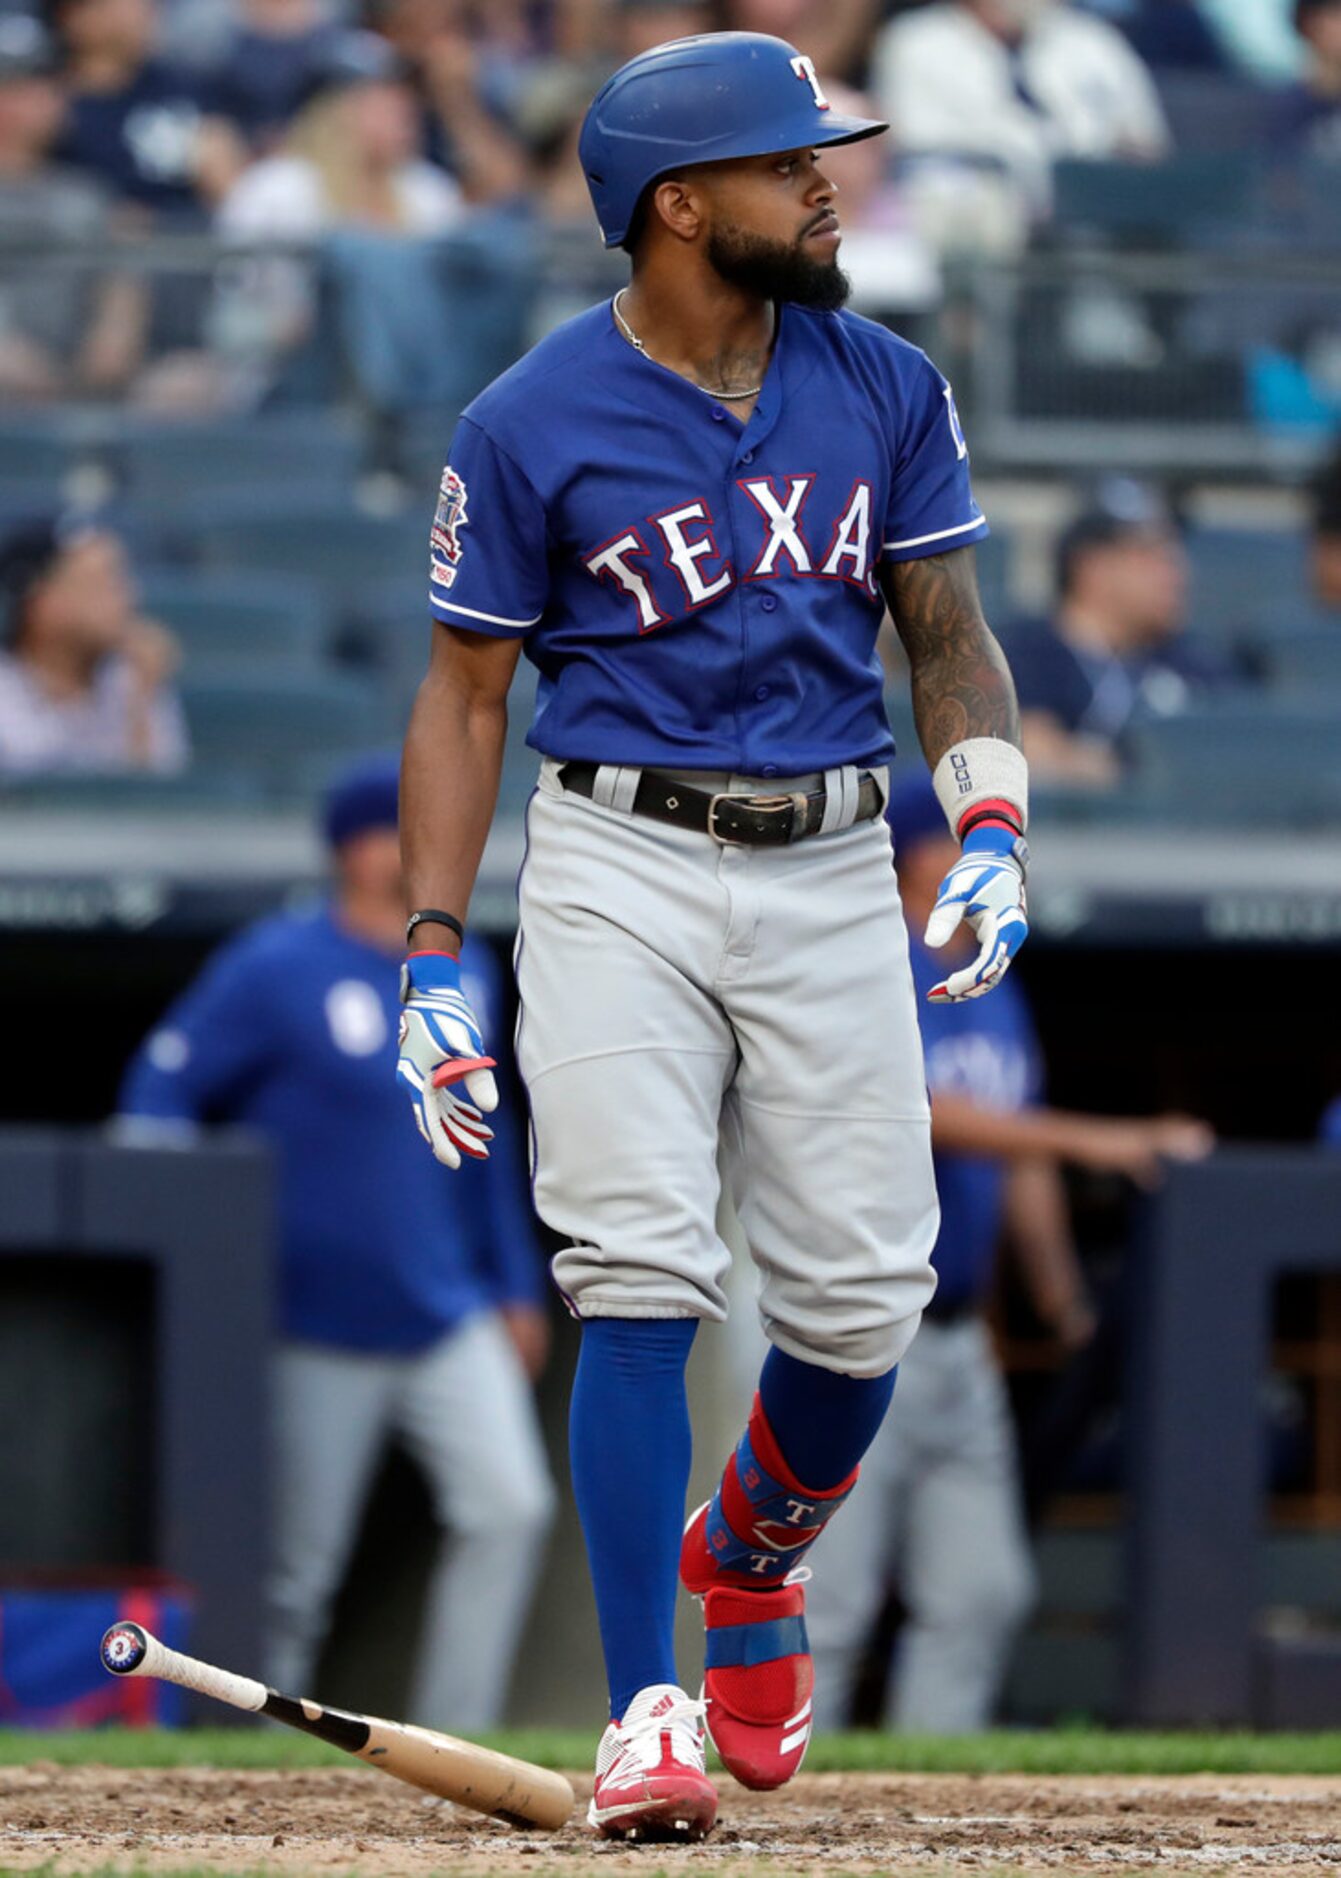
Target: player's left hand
[(441, 1049), (985, 887)]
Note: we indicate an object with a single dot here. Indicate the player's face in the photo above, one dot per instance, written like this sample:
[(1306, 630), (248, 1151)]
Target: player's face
[(369, 865), (772, 230), (1147, 585), (86, 600)]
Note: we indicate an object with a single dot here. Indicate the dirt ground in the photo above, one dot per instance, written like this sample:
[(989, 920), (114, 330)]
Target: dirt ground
[(83, 1819)]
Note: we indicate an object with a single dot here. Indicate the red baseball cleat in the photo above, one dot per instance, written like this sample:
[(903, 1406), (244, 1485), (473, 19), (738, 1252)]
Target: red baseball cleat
[(650, 1776)]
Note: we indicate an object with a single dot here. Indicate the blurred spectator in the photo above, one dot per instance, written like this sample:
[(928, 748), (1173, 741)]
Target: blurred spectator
[(63, 331), (351, 158), (85, 681), (638, 25), (834, 34), (1258, 35), (892, 268), (1115, 649), (350, 161), (989, 93), (1308, 121), (939, 1518), (140, 127), (461, 131), (1325, 550), (409, 1305), (1170, 35), (267, 68)]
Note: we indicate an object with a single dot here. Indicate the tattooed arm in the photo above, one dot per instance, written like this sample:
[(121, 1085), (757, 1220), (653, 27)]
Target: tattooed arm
[(960, 680), (969, 725)]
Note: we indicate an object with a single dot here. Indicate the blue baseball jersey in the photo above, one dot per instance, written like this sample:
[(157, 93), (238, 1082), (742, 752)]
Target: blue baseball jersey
[(291, 1030), (696, 592), (986, 1051)]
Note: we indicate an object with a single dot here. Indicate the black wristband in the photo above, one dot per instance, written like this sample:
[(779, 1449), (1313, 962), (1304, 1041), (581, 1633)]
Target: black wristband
[(432, 915)]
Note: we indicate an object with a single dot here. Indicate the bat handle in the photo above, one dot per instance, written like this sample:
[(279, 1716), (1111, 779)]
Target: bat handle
[(130, 1650)]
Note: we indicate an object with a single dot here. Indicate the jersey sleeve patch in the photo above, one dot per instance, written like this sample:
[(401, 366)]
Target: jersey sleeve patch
[(449, 518), (488, 559)]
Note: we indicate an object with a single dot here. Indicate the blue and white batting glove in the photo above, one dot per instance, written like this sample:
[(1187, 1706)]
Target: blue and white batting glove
[(985, 887), (441, 1048)]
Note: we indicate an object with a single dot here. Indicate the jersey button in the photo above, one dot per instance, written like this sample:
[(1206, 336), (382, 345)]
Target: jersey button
[(769, 769), (717, 413), (769, 602), (748, 457), (761, 692)]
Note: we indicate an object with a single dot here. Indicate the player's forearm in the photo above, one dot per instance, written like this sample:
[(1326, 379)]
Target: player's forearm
[(449, 785), (1038, 1224), (959, 1126), (961, 683)]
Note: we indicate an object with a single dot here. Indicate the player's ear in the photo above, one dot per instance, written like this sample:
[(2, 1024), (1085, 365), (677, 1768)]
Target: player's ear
[(679, 206)]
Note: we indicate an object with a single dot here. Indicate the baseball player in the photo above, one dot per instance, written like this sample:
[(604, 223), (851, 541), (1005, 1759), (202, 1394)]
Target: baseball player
[(689, 505), (403, 1310)]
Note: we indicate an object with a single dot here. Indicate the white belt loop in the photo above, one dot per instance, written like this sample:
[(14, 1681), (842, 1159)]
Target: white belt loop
[(614, 787), (841, 791)]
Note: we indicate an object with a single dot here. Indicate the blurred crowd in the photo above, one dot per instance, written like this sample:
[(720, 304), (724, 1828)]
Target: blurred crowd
[(289, 121)]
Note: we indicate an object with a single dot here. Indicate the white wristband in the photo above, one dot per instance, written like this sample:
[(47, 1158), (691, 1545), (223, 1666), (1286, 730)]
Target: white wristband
[(980, 770)]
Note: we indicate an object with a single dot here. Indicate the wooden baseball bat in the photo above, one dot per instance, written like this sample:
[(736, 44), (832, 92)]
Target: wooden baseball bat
[(491, 1783)]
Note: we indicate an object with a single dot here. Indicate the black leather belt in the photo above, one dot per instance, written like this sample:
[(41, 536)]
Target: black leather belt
[(750, 821)]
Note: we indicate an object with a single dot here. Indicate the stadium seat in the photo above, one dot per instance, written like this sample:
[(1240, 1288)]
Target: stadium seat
[(272, 725), (1215, 112), (103, 793), (993, 557), (242, 620), (1183, 199), (1244, 579), (335, 545), (1307, 663), (30, 447), (166, 464), (1255, 762)]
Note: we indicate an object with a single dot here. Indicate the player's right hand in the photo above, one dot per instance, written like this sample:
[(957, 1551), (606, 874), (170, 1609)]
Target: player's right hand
[(442, 1050)]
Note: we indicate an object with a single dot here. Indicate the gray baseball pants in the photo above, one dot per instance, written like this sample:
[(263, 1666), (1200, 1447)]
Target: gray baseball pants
[(464, 1411), (675, 991), (938, 1515)]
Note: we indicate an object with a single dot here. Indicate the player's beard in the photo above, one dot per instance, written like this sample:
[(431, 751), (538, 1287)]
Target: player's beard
[(777, 270)]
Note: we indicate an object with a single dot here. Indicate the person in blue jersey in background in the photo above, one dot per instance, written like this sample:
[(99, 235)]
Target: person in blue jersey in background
[(408, 1306), (940, 1517)]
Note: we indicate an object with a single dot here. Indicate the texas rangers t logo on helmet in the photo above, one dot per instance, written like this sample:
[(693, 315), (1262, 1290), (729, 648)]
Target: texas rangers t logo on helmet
[(805, 68), (449, 519)]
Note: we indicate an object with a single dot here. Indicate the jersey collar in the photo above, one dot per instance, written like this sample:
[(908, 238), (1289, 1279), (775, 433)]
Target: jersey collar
[(637, 380)]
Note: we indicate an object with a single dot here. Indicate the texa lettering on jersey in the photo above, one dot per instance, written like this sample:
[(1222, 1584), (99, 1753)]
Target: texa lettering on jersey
[(694, 591)]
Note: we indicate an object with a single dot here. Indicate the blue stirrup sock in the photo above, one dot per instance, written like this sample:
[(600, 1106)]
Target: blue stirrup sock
[(794, 1467), (630, 1449)]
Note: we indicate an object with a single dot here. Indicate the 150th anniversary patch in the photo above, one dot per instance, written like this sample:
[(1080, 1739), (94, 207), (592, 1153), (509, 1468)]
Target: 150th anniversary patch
[(449, 518)]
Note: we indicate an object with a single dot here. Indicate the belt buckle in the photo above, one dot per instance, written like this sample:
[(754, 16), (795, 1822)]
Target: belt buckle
[(725, 841), (794, 807)]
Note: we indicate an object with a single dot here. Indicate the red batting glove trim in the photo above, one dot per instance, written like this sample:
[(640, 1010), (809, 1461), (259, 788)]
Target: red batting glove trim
[(459, 1066), (994, 813)]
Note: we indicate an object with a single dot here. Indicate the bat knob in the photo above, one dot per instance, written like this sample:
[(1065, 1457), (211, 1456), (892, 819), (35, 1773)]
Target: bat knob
[(123, 1648)]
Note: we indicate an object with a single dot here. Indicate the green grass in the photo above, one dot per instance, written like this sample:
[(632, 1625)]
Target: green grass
[(1057, 1751)]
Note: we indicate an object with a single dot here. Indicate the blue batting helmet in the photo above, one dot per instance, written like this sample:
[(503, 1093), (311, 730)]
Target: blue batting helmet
[(702, 100)]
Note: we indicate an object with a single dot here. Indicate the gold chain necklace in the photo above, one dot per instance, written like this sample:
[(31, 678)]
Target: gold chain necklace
[(727, 397)]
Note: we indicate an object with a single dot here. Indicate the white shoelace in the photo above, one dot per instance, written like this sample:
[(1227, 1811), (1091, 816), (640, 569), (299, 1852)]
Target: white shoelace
[(641, 1739)]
